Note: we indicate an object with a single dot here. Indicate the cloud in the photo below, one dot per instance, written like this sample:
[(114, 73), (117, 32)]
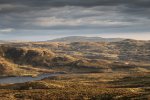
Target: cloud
[(120, 15), (86, 3), (6, 30)]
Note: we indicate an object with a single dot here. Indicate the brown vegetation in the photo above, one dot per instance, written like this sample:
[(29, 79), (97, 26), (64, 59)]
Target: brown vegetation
[(95, 70)]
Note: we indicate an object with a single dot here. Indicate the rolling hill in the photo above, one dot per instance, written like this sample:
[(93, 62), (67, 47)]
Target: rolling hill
[(76, 56), (85, 39), (94, 70)]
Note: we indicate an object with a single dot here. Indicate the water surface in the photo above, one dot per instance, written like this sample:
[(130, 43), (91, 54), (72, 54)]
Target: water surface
[(22, 79)]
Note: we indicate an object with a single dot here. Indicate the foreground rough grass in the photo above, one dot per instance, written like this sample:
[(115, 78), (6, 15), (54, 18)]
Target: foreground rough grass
[(98, 86)]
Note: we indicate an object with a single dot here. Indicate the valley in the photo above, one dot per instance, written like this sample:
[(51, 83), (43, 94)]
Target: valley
[(118, 70)]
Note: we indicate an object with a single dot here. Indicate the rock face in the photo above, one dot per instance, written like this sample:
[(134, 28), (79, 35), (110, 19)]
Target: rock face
[(26, 55)]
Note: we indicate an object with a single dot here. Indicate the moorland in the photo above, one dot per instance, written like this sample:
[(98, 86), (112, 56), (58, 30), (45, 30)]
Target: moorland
[(94, 70)]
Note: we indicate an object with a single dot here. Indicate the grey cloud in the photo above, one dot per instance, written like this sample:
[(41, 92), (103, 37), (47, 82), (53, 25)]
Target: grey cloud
[(94, 14), (86, 3)]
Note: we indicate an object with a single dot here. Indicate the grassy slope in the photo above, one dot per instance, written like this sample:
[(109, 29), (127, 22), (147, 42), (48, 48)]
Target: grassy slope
[(104, 86)]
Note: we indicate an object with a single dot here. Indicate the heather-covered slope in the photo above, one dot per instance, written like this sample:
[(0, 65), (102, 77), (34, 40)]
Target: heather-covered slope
[(127, 55), (20, 61), (94, 70)]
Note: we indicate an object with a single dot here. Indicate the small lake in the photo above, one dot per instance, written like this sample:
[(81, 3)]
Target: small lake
[(22, 79)]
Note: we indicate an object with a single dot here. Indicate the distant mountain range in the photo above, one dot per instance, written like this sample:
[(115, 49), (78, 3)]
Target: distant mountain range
[(85, 39)]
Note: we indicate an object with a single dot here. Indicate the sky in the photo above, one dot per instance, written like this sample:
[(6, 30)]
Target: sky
[(38, 20)]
